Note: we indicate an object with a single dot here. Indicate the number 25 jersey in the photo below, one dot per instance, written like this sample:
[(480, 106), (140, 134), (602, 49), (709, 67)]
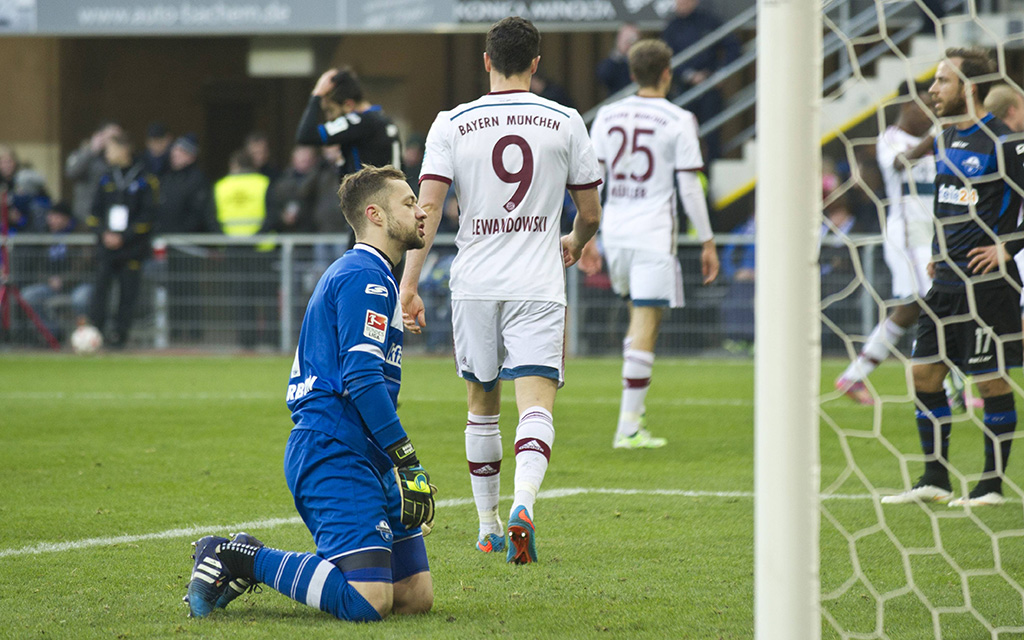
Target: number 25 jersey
[(643, 143), (510, 156)]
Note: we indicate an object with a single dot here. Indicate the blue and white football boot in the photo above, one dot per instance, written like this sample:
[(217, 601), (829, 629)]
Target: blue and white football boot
[(209, 577), (238, 586)]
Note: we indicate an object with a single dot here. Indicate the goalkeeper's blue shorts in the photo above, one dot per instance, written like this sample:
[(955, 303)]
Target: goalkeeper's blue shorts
[(353, 509)]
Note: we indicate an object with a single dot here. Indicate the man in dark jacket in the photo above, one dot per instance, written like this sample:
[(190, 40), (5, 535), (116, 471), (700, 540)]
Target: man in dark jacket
[(688, 26), (186, 199), (292, 198), (186, 206), (123, 211)]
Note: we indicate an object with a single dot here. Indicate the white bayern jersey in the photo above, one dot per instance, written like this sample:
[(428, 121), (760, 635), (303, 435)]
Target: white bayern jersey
[(911, 194), (642, 143), (510, 156)]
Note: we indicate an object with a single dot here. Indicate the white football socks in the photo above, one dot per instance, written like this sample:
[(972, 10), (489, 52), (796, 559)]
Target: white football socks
[(636, 380), (883, 339), (483, 452), (534, 437)]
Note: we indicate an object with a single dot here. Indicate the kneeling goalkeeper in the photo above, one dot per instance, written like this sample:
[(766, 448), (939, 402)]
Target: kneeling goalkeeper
[(355, 476)]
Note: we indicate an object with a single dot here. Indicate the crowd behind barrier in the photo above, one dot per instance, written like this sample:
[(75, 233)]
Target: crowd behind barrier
[(195, 284)]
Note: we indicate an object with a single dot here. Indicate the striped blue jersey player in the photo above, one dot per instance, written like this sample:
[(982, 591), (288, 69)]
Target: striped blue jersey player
[(971, 179), (348, 366)]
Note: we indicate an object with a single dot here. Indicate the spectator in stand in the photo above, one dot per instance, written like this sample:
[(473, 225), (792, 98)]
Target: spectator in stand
[(241, 212), (186, 199), (123, 211), (186, 206), (412, 160), (8, 167), (688, 26), (293, 197), (738, 303), (27, 198), (613, 71), (86, 165), (545, 88), (63, 271), (326, 212), (257, 145), (157, 155)]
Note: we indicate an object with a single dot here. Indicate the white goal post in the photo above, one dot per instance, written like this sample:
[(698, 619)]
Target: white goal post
[(788, 331)]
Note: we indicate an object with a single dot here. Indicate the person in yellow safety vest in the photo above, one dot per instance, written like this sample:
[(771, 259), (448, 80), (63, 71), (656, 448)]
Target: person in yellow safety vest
[(240, 198)]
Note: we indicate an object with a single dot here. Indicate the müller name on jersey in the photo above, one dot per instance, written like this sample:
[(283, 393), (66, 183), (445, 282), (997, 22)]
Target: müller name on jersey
[(490, 226), (511, 120)]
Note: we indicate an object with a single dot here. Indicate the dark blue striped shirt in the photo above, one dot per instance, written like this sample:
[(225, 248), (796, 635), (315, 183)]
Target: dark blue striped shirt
[(974, 198)]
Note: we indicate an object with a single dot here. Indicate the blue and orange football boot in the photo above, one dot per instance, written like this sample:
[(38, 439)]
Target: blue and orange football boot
[(522, 547)]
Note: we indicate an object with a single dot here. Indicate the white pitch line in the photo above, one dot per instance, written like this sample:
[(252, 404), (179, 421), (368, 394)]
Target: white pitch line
[(109, 396), (269, 523)]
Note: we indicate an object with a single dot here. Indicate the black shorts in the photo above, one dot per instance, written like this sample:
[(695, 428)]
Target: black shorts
[(988, 342)]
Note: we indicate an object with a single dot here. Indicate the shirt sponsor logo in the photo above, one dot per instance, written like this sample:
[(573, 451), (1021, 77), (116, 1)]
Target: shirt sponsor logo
[(491, 226), (377, 290), (335, 127), (296, 391), (394, 355), (949, 194), (376, 327), (959, 144)]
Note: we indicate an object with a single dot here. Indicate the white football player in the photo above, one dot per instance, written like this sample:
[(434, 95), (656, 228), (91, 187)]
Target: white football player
[(649, 148), (510, 155), (909, 229)]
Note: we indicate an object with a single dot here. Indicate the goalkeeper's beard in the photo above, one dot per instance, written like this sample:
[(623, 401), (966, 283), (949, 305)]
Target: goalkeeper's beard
[(409, 238)]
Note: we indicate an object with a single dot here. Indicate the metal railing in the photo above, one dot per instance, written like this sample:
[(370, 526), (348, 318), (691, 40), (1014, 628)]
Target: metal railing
[(216, 293)]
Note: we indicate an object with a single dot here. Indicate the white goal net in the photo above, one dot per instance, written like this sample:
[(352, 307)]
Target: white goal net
[(912, 570)]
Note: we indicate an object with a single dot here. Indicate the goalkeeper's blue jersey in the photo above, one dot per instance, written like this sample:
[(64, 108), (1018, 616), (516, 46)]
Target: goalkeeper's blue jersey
[(348, 365)]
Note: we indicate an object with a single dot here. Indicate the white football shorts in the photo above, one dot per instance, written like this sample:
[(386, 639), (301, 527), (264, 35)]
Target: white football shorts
[(1019, 259), (508, 340), (647, 278), (908, 250)]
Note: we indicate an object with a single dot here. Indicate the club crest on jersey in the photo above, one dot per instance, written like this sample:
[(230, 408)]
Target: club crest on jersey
[(377, 290), (385, 531), (376, 327), (971, 165)]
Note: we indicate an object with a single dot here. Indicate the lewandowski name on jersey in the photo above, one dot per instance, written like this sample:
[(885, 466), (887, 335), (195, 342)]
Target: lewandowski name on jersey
[(487, 226)]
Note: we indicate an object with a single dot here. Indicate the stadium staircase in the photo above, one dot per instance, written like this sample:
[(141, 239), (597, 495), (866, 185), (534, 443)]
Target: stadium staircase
[(866, 56)]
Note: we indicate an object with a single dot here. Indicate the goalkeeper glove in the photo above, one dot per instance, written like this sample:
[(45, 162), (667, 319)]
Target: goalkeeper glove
[(414, 485)]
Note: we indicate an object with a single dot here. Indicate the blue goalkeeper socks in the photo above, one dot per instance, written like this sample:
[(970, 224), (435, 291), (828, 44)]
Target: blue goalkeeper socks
[(313, 581)]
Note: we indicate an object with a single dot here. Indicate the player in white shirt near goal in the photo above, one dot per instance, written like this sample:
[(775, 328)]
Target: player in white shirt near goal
[(510, 155), (648, 148), (909, 229)]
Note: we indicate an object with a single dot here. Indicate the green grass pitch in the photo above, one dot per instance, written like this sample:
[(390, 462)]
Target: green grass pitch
[(110, 466)]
